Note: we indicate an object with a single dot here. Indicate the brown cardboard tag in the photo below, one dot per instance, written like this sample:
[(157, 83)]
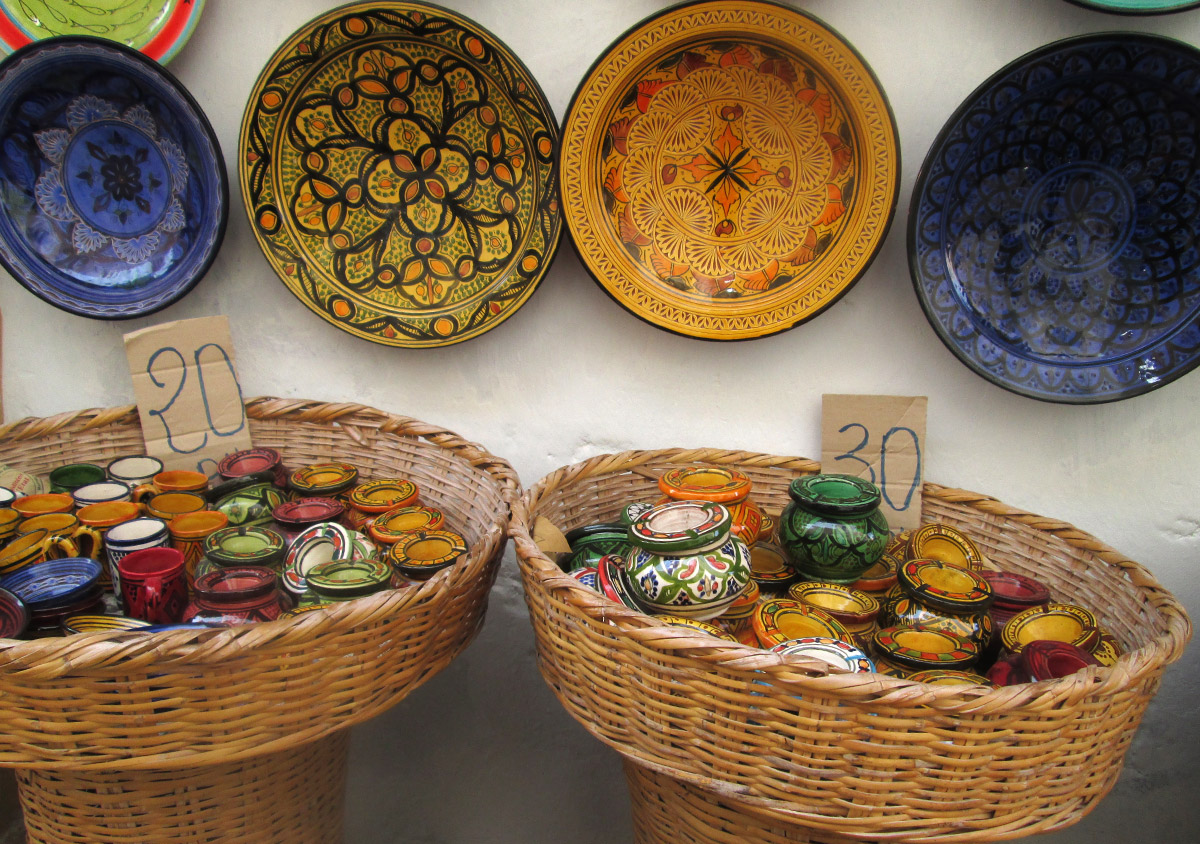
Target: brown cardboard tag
[(881, 439), (188, 394)]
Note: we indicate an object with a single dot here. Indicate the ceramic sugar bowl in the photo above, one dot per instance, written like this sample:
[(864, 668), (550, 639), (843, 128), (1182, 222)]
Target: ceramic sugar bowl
[(832, 529), (685, 561)]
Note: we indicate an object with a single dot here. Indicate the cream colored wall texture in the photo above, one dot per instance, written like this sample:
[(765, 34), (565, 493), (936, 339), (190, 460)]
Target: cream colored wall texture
[(483, 752)]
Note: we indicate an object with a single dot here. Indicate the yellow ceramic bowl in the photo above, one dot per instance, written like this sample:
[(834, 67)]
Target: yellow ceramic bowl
[(1056, 622)]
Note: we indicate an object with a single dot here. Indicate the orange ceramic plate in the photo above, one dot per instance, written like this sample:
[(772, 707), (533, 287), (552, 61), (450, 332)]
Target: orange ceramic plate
[(729, 169)]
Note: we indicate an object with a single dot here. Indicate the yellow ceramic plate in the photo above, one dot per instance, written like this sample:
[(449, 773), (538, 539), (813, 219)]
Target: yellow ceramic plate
[(397, 163), (729, 169)]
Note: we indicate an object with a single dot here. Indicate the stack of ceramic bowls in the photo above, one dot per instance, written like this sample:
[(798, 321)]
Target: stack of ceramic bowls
[(52, 590)]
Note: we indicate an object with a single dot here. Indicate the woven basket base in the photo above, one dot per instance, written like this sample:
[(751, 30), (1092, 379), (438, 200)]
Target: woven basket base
[(293, 797), (670, 811)]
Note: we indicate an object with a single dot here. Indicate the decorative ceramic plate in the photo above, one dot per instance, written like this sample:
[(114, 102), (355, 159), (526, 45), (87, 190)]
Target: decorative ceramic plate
[(52, 583), (775, 621), (245, 545), (835, 652), (398, 166), (248, 462), (113, 197), (157, 28), (729, 169), (1054, 232), (306, 511), (1138, 7)]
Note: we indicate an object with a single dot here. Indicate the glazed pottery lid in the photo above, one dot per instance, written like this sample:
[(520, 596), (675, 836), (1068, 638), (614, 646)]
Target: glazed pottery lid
[(235, 583), (423, 552), (307, 511), (92, 623), (945, 586), (922, 647), (950, 677), (133, 467), (390, 526), (779, 619), (1043, 659), (248, 462), (383, 494), (53, 582), (14, 616), (314, 545), (681, 526), (832, 651), (77, 105), (843, 495), (244, 545), (323, 478), (705, 483), (696, 625), (847, 605), (1016, 591), (346, 578), (942, 542), (1058, 622)]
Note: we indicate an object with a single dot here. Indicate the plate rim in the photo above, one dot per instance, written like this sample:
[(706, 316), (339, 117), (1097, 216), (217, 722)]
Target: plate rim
[(162, 47), (202, 125), (553, 182), (923, 174), (888, 118)]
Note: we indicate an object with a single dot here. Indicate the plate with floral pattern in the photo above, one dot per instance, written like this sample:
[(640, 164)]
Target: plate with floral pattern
[(729, 169), (157, 28), (113, 196), (397, 163)]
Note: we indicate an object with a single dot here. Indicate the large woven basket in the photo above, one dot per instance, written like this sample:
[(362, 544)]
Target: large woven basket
[(803, 749), (239, 733)]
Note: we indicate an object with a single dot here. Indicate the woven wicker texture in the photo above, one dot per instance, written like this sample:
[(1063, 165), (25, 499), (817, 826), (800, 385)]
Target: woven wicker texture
[(188, 698), (282, 798), (865, 756)]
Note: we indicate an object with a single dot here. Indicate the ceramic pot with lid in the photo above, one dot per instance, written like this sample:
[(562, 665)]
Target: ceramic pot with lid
[(832, 530)]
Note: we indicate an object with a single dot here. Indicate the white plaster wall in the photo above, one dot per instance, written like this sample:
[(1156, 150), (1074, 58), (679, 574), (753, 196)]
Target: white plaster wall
[(484, 752)]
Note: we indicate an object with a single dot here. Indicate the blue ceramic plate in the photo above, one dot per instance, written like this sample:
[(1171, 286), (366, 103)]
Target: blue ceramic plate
[(113, 194), (52, 582), (1054, 231)]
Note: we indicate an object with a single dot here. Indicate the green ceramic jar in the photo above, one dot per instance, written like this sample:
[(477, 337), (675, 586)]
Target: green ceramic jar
[(832, 529)]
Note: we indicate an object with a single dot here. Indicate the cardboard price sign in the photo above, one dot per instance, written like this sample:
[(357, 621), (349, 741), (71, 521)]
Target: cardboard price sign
[(188, 394), (880, 439)]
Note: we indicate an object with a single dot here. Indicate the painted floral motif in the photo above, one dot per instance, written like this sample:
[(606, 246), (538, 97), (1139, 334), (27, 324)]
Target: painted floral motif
[(113, 179), (727, 168)]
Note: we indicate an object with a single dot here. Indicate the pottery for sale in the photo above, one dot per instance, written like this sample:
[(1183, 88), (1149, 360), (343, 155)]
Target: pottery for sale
[(1049, 660), (252, 461), (132, 535), (323, 479), (921, 648), (423, 553), (1107, 649), (53, 582), (942, 542), (250, 500), (613, 582), (718, 484), (34, 546), (770, 569), (946, 677), (977, 626), (1056, 622), (44, 502), (14, 616), (236, 595), (188, 532), (316, 544), (685, 561), (383, 494), (832, 529), (134, 469), (295, 516), (588, 577), (856, 611), (829, 650), (388, 527), (172, 480), (245, 545), (591, 542), (779, 620), (880, 577), (345, 579), (10, 521), (696, 626), (74, 475), (744, 605), (88, 623), (86, 539)]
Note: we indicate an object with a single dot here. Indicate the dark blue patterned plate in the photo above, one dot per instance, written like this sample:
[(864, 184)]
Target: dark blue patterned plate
[(113, 194), (1054, 231), (52, 582)]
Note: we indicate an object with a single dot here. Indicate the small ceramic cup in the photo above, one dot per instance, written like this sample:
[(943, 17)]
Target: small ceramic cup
[(45, 502), (102, 493), (172, 480), (9, 521), (153, 585), (134, 535), (188, 532), (67, 526), (168, 505), (74, 475), (134, 469), (34, 547)]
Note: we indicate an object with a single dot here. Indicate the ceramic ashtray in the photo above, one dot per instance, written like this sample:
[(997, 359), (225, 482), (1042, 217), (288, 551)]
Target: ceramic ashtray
[(325, 479), (421, 554), (319, 543), (388, 527), (340, 579), (383, 494)]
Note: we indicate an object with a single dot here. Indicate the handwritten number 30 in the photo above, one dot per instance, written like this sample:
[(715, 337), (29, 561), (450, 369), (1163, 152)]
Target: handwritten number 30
[(852, 454), (183, 370)]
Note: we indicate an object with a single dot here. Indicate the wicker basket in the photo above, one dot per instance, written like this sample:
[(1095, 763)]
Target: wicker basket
[(224, 734), (803, 749)]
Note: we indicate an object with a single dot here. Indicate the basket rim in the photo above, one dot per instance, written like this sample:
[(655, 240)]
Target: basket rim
[(40, 660), (799, 673)]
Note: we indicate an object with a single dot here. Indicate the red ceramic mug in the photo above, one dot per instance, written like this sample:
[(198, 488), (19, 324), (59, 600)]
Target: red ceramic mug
[(154, 585)]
